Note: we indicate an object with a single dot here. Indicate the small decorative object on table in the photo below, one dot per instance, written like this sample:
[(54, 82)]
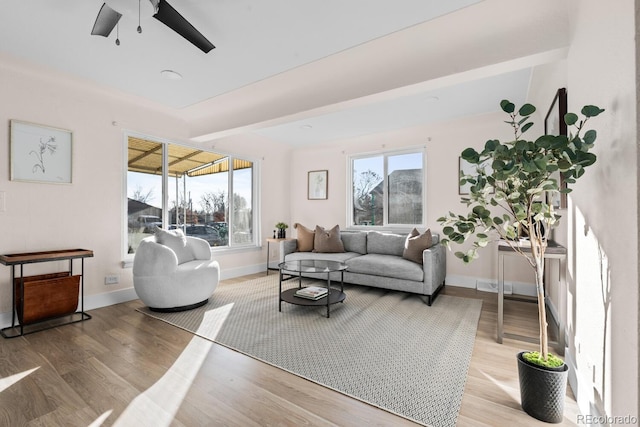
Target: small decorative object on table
[(282, 230)]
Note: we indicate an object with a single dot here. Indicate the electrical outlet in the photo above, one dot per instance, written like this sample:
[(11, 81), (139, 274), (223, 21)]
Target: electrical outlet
[(111, 279)]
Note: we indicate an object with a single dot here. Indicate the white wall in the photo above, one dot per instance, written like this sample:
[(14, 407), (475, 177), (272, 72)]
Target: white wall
[(88, 212), (603, 211)]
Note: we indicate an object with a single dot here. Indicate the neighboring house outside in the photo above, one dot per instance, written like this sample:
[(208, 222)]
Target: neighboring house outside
[(138, 212)]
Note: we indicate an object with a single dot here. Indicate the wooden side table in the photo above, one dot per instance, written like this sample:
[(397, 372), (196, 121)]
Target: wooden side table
[(46, 300), (553, 251), (277, 241)]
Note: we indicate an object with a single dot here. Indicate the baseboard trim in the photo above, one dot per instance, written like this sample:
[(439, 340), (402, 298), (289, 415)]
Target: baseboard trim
[(231, 273), (461, 281), (491, 285), (91, 302)]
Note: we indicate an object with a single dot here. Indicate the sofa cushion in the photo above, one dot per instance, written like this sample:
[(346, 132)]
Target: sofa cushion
[(415, 244), (305, 237), (177, 242), (354, 241), (327, 241), (386, 266), (385, 243)]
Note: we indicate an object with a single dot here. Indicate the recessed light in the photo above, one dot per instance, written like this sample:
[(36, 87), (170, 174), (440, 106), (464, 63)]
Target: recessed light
[(306, 127), (171, 75)]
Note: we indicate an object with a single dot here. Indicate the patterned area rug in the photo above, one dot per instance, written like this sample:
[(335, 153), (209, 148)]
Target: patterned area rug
[(386, 348)]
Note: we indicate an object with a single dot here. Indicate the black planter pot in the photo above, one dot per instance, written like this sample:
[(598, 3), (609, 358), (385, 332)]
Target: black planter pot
[(542, 391)]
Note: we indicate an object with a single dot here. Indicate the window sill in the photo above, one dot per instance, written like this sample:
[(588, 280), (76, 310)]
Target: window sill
[(128, 262)]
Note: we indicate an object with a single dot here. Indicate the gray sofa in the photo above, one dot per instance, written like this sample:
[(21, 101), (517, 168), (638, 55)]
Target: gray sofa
[(375, 259)]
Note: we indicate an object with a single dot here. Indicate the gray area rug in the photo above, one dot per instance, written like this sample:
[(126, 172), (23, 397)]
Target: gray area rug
[(386, 348)]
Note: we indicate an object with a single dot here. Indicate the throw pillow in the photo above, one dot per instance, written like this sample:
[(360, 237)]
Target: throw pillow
[(177, 242), (385, 243), (415, 244), (305, 238), (327, 241)]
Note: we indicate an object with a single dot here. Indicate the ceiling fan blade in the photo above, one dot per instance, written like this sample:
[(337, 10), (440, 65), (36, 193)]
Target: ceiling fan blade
[(172, 19), (105, 21)]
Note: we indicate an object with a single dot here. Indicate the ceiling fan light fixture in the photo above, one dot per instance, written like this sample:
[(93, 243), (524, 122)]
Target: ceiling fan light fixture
[(171, 75)]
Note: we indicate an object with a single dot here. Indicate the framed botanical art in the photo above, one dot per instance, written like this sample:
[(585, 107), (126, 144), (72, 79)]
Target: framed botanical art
[(317, 182), (40, 153), (554, 125)]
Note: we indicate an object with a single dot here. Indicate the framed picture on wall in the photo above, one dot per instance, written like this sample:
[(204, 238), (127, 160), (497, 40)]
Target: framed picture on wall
[(554, 125), (40, 153), (317, 184)]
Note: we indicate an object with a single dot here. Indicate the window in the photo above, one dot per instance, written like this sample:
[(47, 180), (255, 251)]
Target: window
[(175, 186), (388, 189)]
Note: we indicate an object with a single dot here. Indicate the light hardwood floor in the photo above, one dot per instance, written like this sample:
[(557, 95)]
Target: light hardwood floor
[(99, 367)]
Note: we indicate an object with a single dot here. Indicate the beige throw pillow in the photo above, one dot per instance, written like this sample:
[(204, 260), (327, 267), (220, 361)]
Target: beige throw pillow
[(328, 241), (415, 244), (305, 238)]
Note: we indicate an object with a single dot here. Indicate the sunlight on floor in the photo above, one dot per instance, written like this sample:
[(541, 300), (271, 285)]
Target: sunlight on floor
[(7, 382), (158, 405), (508, 389)]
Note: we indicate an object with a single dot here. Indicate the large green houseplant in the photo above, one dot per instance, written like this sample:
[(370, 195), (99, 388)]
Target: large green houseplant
[(508, 195)]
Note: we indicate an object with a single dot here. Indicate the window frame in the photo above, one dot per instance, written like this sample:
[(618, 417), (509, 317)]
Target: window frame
[(385, 154), (255, 197)]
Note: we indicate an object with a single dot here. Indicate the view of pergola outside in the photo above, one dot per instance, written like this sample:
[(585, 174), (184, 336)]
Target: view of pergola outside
[(197, 194), (387, 189)]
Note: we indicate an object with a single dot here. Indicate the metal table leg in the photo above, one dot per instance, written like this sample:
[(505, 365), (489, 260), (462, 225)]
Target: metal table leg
[(500, 297)]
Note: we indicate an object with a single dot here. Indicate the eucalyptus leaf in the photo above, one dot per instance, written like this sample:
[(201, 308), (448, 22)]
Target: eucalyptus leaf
[(591, 110), (526, 127), (590, 136), (570, 119), (507, 106), (470, 155), (526, 110)]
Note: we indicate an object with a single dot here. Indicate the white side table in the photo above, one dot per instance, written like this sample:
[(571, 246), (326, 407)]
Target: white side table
[(274, 240)]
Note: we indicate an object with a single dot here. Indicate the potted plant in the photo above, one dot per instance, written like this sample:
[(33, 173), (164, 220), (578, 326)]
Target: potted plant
[(508, 199), (282, 227)]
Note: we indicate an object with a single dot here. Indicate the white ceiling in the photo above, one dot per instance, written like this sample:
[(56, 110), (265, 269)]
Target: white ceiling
[(259, 42)]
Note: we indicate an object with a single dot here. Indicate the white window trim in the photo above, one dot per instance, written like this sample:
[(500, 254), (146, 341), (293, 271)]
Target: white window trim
[(127, 258)]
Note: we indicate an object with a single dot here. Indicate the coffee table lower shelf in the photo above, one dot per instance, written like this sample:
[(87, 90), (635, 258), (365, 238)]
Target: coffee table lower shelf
[(289, 296)]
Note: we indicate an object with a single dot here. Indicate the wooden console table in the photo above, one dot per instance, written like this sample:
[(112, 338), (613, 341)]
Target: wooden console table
[(553, 251), (47, 300)]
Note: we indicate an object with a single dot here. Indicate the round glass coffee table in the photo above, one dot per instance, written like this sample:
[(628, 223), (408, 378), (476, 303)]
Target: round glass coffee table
[(294, 269)]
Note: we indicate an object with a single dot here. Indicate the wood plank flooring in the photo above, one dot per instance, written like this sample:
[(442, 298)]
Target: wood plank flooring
[(103, 366)]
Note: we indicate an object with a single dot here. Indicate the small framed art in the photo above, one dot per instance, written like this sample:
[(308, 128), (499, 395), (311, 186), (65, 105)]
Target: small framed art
[(317, 184), (40, 153)]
